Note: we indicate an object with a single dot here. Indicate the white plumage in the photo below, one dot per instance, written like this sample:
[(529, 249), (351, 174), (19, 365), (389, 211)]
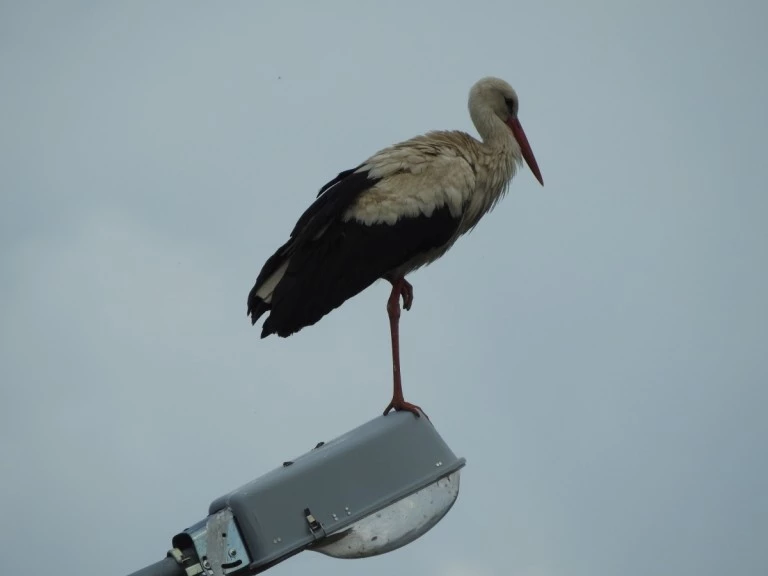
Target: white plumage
[(402, 208)]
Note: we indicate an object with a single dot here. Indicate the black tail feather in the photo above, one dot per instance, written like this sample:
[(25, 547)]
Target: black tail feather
[(256, 306)]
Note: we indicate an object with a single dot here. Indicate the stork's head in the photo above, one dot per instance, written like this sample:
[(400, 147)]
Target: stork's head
[(494, 97)]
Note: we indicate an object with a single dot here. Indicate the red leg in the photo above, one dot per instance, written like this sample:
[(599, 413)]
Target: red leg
[(400, 287)]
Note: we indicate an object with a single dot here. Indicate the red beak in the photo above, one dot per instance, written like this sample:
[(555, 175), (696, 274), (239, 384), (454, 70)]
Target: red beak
[(519, 134)]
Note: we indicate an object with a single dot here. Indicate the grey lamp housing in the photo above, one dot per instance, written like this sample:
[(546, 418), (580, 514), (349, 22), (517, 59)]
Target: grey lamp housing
[(367, 492)]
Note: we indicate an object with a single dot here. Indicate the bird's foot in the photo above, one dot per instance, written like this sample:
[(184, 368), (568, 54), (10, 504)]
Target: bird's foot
[(400, 405), (406, 291)]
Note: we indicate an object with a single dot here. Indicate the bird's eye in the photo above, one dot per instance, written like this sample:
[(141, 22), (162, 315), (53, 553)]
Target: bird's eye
[(511, 106)]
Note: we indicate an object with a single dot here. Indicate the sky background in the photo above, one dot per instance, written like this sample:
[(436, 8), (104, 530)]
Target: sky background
[(597, 349)]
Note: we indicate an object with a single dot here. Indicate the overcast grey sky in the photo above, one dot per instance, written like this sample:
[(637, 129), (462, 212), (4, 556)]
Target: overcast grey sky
[(596, 349)]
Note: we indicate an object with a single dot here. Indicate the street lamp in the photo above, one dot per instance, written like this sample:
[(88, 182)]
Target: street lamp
[(370, 491)]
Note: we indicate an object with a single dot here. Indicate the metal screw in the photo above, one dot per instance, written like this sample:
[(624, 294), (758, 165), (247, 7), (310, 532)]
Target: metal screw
[(335, 517), (438, 463), (232, 552)]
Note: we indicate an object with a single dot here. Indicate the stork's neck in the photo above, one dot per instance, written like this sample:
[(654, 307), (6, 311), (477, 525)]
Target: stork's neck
[(496, 163), (500, 151), (495, 134)]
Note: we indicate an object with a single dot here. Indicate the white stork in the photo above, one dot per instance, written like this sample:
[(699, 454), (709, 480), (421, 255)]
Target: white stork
[(401, 209)]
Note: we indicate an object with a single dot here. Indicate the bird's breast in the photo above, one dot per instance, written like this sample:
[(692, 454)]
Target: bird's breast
[(493, 177)]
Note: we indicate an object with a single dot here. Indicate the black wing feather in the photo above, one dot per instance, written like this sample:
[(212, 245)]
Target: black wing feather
[(344, 261), (333, 199)]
